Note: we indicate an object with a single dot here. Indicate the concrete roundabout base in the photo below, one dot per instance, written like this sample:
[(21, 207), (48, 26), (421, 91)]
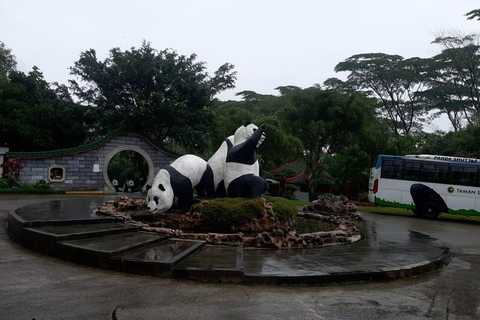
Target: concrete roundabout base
[(71, 230)]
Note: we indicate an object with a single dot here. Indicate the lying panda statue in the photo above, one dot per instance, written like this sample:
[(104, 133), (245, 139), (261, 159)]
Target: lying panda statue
[(178, 180), (242, 171), (218, 161)]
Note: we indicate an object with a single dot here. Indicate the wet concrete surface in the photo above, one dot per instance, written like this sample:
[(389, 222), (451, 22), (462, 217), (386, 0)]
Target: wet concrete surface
[(37, 286), (164, 252), (71, 209), (384, 253), (386, 250), (78, 228)]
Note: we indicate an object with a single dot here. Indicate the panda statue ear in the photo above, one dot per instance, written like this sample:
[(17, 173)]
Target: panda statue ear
[(148, 187), (247, 123)]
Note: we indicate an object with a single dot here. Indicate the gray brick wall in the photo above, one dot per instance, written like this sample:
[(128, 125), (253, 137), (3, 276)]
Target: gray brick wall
[(80, 175)]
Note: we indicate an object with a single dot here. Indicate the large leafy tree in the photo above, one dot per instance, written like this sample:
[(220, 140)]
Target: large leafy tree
[(280, 147), (455, 79), (161, 94), (394, 81), (34, 116), (324, 121)]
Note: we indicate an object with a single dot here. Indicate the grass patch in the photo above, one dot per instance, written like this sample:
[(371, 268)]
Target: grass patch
[(294, 202), (41, 187), (225, 214), (406, 212), (282, 208), (305, 225)]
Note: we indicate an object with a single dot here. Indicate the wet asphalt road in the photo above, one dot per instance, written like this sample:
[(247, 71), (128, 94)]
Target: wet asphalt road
[(36, 286)]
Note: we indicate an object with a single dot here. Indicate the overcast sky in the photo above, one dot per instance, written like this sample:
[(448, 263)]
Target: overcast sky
[(271, 43)]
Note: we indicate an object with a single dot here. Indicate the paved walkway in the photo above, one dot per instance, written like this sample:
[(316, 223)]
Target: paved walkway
[(69, 228)]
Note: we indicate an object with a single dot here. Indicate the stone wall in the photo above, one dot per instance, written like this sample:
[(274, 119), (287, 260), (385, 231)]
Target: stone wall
[(86, 170)]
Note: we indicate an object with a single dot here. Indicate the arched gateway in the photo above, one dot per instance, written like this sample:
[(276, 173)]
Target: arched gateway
[(85, 168)]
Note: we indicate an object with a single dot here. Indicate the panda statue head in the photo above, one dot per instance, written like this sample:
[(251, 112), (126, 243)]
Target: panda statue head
[(160, 195), (245, 132)]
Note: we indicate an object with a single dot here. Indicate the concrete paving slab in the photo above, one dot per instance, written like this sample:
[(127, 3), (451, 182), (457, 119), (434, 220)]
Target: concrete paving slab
[(170, 251), (81, 229), (114, 244), (68, 209), (158, 259)]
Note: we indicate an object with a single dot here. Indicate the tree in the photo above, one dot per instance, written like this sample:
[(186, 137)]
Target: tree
[(161, 94), (324, 121), (462, 143), (34, 118), (280, 147), (394, 81), (454, 82), (344, 170), (8, 62), (474, 14), (260, 104)]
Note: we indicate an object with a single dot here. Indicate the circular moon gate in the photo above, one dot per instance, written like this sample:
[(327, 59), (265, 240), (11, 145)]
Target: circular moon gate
[(110, 188)]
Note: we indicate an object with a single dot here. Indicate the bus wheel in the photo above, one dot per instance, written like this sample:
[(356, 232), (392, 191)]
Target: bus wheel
[(430, 210)]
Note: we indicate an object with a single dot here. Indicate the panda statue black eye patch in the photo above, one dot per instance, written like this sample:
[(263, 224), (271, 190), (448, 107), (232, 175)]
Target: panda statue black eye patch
[(161, 187), (155, 199)]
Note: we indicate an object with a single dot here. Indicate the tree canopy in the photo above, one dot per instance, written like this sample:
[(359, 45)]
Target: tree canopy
[(394, 81), (161, 94), (36, 117)]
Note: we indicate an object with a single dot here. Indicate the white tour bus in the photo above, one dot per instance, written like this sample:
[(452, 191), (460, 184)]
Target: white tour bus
[(427, 184)]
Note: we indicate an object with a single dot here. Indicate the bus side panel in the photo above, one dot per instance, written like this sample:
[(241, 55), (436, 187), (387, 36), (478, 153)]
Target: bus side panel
[(457, 202), (407, 197), (394, 191), (477, 205), (461, 202)]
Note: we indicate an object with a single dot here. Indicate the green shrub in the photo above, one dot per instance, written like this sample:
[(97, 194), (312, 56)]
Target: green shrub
[(282, 208), (41, 187), (4, 183), (225, 214)]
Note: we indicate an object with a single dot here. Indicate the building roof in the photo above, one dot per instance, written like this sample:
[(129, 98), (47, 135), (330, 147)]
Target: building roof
[(302, 174), (299, 167)]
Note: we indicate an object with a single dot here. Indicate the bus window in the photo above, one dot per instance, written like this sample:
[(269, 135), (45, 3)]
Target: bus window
[(412, 170), (392, 168), (434, 172), (463, 175), (428, 171), (441, 173)]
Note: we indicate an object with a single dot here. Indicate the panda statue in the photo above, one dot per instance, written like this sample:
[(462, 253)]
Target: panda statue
[(242, 171), (178, 180), (217, 163), (218, 160)]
